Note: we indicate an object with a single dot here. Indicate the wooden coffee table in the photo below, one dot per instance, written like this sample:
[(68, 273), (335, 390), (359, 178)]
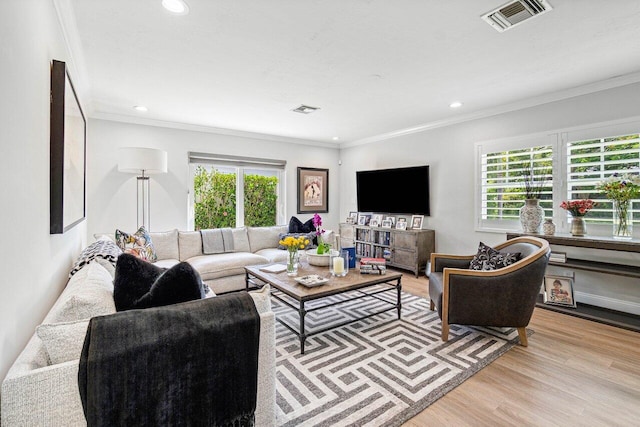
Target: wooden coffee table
[(353, 281)]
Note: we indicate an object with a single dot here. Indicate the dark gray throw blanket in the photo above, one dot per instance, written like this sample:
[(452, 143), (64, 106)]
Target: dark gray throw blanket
[(188, 364)]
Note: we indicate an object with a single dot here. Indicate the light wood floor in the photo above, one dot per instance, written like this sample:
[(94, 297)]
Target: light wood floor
[(574, 372)]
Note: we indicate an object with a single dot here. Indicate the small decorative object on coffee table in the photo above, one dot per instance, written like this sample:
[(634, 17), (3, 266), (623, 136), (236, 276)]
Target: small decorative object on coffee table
[(339, 264)]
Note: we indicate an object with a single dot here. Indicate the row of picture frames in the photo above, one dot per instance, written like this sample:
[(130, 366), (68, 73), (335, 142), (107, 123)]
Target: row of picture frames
[(558, 290), (379, 220)]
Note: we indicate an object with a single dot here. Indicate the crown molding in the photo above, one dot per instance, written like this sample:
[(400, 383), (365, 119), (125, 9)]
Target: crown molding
[(610, 83), (208, 129)]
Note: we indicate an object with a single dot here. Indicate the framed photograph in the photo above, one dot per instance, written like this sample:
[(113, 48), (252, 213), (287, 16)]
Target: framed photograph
[(352, 218), (558, 290), (377, 218), (392, 219), (374, 223), (401, 224), (386, 223), (313, 190), (67, 145), (363, 219), (416, 221)]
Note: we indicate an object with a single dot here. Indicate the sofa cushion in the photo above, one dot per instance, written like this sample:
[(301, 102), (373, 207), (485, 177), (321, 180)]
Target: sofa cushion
[(240, 239), (138, 244), (88, 293), (103, 249), (190, 244), (133, 280), (488, 258), (180, 283), (63, 341), (297, 226), (139, 284), (166, 244), (265, 237), (275, 255), (222, 265)]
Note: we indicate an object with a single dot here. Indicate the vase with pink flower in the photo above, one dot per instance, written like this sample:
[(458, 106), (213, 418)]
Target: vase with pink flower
[(578, 209)]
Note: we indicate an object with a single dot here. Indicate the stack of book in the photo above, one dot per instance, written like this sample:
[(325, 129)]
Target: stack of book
[(373, 266), (558, 257)]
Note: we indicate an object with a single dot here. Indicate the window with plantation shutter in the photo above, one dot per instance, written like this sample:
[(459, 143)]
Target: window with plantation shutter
[(592, 161), (503, 175)]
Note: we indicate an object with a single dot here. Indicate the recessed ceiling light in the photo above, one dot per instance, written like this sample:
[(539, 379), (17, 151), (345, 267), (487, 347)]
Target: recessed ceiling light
[(140, 108), (456, 104), (179, 7), (336, 138)]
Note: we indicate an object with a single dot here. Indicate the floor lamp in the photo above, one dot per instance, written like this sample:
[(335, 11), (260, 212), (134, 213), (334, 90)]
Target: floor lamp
[(144, 162)]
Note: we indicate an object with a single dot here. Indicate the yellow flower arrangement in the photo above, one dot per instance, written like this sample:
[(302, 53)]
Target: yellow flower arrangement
[(293, 244)]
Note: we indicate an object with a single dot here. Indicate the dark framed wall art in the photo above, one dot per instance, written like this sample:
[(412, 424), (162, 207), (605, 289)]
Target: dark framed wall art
[(313, 190), (67, 153)]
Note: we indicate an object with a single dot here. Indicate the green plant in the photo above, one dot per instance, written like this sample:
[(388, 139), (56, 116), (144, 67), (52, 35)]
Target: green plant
[(215, 199)]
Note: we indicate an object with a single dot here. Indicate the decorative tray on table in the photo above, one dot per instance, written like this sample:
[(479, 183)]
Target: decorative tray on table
[(311, 280)]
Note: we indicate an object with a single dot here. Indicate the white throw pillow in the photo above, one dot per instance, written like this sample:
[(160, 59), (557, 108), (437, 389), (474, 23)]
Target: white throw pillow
[(63, 341), (88, 293)]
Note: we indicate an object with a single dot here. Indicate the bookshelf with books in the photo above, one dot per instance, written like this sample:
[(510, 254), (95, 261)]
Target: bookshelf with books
[(404, 249)]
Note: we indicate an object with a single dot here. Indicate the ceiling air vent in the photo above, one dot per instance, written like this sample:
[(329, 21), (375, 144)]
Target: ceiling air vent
[(515, 12), (305, 109)]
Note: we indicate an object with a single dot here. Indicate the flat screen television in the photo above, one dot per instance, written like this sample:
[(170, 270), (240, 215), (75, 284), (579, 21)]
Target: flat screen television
[(399, 190)]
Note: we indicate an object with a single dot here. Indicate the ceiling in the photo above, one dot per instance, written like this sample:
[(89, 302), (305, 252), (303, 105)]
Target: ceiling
[(374, 67)]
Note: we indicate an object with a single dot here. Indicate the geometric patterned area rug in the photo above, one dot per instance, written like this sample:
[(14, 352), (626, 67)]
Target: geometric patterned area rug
[(379, 371)]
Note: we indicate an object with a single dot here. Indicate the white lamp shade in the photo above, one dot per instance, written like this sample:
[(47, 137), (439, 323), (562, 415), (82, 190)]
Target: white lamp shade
[(137, 160)]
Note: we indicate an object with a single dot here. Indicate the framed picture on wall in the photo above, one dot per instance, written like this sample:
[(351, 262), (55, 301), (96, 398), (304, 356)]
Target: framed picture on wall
[(67, 145), (558, 290), (313, 190)]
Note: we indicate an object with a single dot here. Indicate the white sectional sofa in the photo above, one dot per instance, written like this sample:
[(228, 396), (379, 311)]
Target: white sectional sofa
[(223, 272), (41, 388)]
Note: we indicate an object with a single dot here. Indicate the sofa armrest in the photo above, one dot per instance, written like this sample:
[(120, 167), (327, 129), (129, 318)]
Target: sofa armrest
[(43, 396)]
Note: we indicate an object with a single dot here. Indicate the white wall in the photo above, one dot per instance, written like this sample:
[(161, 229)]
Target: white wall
[(112, 194), (450, 153), (34, 263)]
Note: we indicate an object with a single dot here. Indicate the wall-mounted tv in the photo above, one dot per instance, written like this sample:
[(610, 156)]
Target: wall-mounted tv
[(398, 190)]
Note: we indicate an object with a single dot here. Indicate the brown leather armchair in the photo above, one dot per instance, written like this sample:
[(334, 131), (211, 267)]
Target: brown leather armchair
[(504, 297)]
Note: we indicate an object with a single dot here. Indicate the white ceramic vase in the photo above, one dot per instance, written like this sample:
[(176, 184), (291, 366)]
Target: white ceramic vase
[(531, 215)]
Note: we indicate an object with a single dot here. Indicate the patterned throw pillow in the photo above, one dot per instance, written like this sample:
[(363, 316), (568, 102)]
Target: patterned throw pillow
[(103, 248), (488, 258), (138, 244)]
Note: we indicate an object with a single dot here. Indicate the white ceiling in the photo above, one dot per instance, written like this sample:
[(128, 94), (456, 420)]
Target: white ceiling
[(374, 67)]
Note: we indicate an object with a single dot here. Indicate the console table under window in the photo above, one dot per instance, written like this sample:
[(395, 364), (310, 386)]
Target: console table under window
[(599, 314)]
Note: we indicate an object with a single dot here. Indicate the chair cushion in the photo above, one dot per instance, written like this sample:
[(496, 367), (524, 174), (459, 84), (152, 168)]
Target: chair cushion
[(265, 237), (488, 258)]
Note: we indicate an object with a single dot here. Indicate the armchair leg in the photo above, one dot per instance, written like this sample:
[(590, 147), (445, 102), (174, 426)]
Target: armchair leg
[(432, 306), (522, 333), (445, 332)]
